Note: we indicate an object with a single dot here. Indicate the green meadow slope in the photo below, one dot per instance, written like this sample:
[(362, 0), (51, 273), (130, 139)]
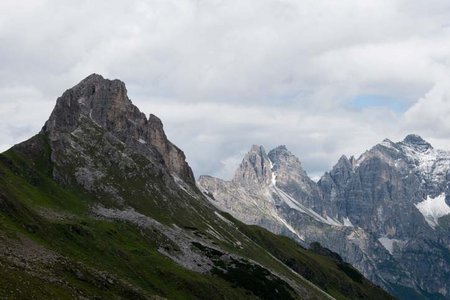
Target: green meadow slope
[(54, 246), (101, 205)]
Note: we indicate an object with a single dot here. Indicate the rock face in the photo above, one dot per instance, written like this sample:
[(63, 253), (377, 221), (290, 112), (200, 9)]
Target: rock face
[(254, 169), (387, 212), (96, 105), (96, 133), (101, 205), (290, 177)]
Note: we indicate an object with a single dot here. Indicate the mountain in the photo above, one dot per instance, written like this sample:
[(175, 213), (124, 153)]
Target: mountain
[(101, 205), (387, 212)]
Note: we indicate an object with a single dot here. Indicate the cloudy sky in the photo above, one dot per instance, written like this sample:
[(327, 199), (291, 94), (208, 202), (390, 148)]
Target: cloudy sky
[(325, 78)]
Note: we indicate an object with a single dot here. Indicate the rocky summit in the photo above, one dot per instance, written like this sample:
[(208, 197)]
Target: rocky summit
[(103, 104), (101, 205), (387, 212)]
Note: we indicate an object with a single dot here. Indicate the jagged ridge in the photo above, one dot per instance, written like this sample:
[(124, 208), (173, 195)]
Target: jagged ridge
[(105, 102), (375, 211), (101, 205)]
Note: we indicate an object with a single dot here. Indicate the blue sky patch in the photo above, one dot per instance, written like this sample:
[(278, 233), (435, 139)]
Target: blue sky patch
[(367, 101)]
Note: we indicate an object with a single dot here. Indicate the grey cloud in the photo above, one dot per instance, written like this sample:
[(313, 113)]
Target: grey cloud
[(215, 133), (223, 75), (429, 115)]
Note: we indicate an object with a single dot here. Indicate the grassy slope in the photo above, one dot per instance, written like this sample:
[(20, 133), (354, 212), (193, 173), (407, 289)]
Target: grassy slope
[(115, 247), (334, 276), (92, 247)]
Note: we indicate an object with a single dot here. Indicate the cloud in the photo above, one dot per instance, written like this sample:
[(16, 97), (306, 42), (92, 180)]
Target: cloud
[(222, 133), (18, 117), (223, 75), (429, 115)]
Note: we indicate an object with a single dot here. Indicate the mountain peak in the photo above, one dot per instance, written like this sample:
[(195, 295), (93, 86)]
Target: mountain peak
[(103, 105), (343, 159), (413, 139), (387, 142), (103, 101), (257, 148), (93, 77), (155, 123), (154, 119), (417, 142), (287, 166), (255, 168), (96, 82), (343, 169), (280, 148)]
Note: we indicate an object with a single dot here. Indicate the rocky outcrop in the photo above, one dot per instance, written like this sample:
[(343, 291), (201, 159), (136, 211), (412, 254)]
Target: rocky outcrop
[(173, 157), (98, 113), (255, 168)]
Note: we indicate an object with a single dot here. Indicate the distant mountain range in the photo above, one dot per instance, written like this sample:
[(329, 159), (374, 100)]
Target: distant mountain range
[(101, 205), (387, 212)]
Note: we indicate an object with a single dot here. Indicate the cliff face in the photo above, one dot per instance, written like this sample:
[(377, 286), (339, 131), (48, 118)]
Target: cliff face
[(387, 212), (255, 168), (98, 104), (289, 176)]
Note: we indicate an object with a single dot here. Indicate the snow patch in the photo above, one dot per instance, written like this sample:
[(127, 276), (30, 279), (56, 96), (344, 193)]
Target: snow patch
[(274, 175), (274, 179), (333, 222), (289, 227), (433, 208), (360, 160), (431, 162), (182, 185), (223, 218), (142, 141), (316, 178), (388, 243), (387, 143), (347, 222), (215, 233), (294, 204)]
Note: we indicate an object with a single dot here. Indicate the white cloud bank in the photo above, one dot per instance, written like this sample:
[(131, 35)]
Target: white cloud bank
[(223, 75)]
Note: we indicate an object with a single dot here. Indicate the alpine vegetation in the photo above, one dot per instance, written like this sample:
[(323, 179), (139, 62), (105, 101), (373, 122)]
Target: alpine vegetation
[(101, 205)]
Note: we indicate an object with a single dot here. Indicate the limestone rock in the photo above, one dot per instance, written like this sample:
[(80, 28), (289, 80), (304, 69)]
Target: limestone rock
[(386, 212), (102, 108)]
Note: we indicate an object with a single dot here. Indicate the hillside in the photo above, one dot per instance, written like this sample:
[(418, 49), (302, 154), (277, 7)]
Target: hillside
[(101, 205)]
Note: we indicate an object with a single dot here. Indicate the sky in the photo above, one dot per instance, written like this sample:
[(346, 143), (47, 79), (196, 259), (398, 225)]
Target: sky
[(324, 78)]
